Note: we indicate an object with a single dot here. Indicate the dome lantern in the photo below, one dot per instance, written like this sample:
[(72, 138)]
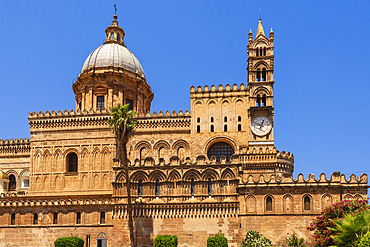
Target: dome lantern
[(114, 33)]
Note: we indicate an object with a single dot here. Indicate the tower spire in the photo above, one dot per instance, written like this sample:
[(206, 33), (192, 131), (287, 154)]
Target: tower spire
[(260, 28)]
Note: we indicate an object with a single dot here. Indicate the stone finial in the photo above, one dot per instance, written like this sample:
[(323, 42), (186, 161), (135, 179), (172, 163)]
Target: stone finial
[(260, 28)]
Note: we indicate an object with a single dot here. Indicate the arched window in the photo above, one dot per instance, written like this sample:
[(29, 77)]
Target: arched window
[(181, 152), (55, 218), (198, 128), (12, 183), (72, 162), (209, 187), (258, 100), (78, 218), (307, 203), (102, 217), (35, 218), (264, 51), (212, 128), (212, 119), (142, 155), (263, 74), (258, 78), (140, 188), (198, 120), (239, 118), (26, 179), (101, 240), (264, 100), (225, 128), (225, 119), (112, 36), (220, 149), (157, 187), (12, 219), (118, 38), (161, 152), (258, 52), (239, 127), (192, 187), (269, 204)]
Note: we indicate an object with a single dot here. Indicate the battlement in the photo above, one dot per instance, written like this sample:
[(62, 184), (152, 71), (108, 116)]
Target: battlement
[(14, 147), (162, 115), (335, 179), (220, 89)]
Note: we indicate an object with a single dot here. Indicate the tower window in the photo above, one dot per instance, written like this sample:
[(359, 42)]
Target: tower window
[(225, 119), (264, 51), (307, 203), (140, 188), (100, 102), (131, 104), (258, 78), (212, 128), (55, 218), (192, 187), (257, 52), (239, 127), (35, 218), (212, 120), (78, 218), (258, 100), (12, 219), (102, 218), (118, 37), (263, 74), (157, 187), (198, 120), (220, 149), (112, 36), (225, 128), (239, 118), (142, 155), (198, 128), (72, 162), (209, 187), (269, 204), (12, 183), (264, 100)]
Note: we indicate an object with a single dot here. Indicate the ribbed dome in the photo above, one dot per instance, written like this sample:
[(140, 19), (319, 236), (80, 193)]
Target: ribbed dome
[(112, 55)]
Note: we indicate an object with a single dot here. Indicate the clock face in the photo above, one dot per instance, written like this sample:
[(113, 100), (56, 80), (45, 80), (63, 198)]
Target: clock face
[(261, 125)]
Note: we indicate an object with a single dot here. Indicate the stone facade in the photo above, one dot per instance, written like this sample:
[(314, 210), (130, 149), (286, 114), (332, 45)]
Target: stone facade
[(193, 174)]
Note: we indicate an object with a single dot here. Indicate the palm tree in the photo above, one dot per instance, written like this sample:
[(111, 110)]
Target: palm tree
[(122, 123)]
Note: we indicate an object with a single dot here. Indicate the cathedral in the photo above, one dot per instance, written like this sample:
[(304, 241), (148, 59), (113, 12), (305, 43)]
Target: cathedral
[(193, 173)]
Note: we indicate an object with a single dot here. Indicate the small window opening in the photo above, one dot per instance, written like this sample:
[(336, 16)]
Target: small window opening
[(239, 118), (118, 38), (258, 101), (131, 102), (212, 119), (307, 203), (225, 128), (212, 128), (100, 102), (264, 74), (157, 187), (258, 78), (198, 128), (35, 218), (264, 51), (264, 100), (269, 204), (79, 106), (12, 183), (140, 188), (239, 127), (258, 52), (112, 36), (102, 218), (55, 218), (142, 155), (12, 219), (72, 162), (225, 119), (198, 120), (78, 218), (209, 187), (192, 187)]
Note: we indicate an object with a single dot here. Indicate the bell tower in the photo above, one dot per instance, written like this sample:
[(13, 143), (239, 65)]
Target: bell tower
[(260, 72)]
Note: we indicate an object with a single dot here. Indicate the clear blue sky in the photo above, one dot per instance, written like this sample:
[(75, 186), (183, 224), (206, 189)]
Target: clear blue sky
[(322, 85)]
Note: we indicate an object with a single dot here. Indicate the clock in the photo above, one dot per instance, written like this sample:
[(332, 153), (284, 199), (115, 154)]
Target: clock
[(261, 125)]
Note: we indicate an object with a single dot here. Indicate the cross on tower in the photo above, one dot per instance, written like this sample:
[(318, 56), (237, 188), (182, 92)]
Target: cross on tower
[(115, 9)]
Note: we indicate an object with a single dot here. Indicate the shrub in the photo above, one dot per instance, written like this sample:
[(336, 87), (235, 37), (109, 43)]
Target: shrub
[(69, 242), (365, 240), (294, 241), (218, 240), (323, 225), (254, 239), (165, 241)]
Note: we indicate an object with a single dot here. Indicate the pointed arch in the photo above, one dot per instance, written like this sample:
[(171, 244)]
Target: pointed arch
[(192, 174), (157, 175), (326, 200), (250, 202), (105, 181), (210, 174), (227, 174), (261, 90), (174, 176), (139, 175), (288, 203), (261, 64), (84, 182)]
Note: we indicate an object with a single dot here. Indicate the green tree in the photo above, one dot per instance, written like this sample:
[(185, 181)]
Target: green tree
[(218, 240), (122, 123), (365, 240), (73, 241), (294, 241), (254, 239), (165, 241), (351, 229)]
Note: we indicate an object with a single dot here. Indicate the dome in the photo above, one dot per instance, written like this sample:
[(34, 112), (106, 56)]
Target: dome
[(111, 55)]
